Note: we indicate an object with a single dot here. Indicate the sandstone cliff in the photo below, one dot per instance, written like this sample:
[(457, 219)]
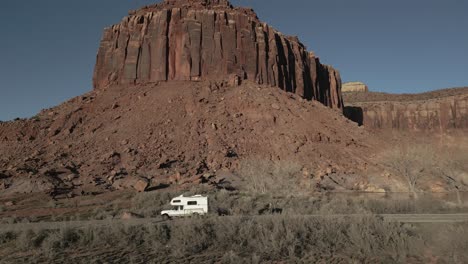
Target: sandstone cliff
[(162, 115), (438, 111), (210, 40)]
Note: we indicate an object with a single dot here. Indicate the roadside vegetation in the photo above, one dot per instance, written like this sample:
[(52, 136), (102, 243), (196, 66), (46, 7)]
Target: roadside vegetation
[(271, 219), (252, 233), (425, 166), (242, 239), (150, 204)]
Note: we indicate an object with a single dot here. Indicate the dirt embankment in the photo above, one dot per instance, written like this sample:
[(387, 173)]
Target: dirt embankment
[(176, 133)]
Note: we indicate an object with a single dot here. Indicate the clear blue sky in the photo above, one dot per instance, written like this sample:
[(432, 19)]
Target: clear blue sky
[(48, 47)]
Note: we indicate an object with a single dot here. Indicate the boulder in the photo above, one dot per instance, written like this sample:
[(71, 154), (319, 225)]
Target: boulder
[(141, 185), (130, 215), (137, 183), (24, 185)]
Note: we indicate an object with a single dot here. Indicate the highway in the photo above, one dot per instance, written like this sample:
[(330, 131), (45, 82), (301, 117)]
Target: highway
[(404, 218)]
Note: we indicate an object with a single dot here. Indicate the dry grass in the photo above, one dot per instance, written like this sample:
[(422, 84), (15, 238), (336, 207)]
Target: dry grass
[(268, 177), (247, 237), (421, 164), (271, 238), (235, 203), (241, 239), (411, 163)]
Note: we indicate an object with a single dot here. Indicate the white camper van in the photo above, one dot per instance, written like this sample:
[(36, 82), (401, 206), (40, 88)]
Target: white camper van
[(185, 206)]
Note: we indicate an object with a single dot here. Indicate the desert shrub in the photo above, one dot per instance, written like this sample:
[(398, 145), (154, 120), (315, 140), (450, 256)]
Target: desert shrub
[(198, 189), (8, 220), (334, 204), (158, 235), (340, 205), (51, 244), (132, 235), (425, 204), (246, 204), (52, 204), (419, 164), (7, 236), (25, 239), (264, 176), (239, 203), (192, 237), (30, 239), (388, 206), (151, 203), (275, 238), (69, 237), (39, 238), (451, 166), (374, 237), (258, 239), (102, 214), (36, 118), (56, 241), (89, 236), (411, 163), (448, 243), (231, 257), (248, 237), (110, 235)]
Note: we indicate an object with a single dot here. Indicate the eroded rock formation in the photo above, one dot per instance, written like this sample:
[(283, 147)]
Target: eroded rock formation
[(210, 40), (354, 87), (439, 111)]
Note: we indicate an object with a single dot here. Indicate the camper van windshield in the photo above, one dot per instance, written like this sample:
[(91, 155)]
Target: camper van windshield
[(178, 208)]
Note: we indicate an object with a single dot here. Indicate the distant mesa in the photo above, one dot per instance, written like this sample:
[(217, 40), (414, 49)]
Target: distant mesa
[(199, 40), (351, 87), (438, 111)]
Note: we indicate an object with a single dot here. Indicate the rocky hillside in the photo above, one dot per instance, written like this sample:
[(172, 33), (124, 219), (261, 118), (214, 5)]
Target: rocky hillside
[(176, 133), (185, 92), (437, 111), (210, 40)]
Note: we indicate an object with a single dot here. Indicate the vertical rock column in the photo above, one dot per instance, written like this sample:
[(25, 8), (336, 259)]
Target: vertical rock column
[(188, 44)]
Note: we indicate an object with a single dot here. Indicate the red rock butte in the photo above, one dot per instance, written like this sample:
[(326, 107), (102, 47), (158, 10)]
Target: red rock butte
[(195, 40)]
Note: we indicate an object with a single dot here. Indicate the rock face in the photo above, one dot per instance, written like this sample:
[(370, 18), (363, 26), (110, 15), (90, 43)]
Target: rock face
[(439, 111), (194, 40), (354, 87), (176, 134)]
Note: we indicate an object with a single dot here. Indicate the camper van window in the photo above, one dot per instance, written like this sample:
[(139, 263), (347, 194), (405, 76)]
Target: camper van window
[(192, 203), (176, 201)]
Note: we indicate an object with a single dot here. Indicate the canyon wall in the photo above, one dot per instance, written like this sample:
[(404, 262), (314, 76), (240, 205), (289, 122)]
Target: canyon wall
[(194, 40), (439, 111)]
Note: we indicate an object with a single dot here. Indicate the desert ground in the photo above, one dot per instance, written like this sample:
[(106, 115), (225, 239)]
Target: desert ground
[(198, 97)]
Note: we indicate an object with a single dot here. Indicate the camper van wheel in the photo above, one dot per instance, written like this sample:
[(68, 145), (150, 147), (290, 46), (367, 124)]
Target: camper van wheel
[(166, 217)]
